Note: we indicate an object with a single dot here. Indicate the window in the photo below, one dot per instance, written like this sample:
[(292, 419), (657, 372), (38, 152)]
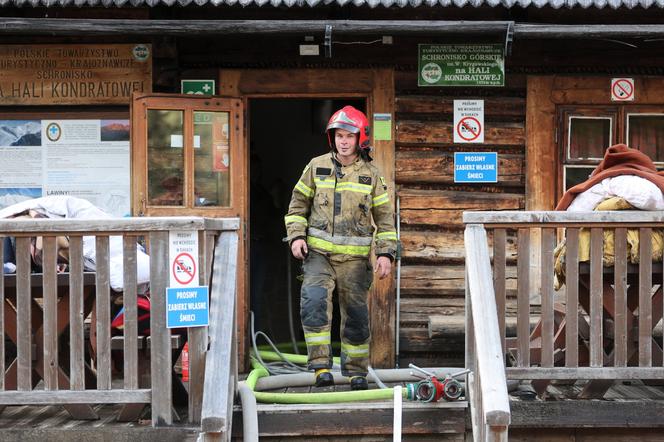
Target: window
[(588, 131)]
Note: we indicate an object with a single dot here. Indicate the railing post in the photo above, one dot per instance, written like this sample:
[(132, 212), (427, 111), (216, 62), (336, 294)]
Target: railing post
[(220, 376), (160, 361)]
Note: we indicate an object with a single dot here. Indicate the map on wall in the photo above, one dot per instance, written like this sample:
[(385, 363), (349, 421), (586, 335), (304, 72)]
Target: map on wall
[(87, 159)]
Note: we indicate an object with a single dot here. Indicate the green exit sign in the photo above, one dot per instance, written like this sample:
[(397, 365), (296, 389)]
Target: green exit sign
[(197, 87)]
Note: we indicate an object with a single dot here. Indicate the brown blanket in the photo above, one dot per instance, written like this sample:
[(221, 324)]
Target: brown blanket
[(618, 160)]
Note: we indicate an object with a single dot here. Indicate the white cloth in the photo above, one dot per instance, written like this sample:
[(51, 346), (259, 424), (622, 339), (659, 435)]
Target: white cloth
[(62, 206), (639, 192)]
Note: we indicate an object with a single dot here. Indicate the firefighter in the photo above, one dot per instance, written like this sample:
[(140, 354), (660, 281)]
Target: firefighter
[(329, 227)]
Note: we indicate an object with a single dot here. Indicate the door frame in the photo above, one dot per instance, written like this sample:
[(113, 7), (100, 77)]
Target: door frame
[(377, 87)]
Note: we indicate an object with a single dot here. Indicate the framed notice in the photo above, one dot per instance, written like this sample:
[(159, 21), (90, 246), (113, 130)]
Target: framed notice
[(87, 159)]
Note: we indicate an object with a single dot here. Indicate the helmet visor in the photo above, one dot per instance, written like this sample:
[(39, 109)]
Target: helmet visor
[(344, 126)]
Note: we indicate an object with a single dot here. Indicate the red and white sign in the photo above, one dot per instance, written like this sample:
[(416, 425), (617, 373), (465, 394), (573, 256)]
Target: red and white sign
[(184, 269), (183, 259), (622, 89), (469, 121)]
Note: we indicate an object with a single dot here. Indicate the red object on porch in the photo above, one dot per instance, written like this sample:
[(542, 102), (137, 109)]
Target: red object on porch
[(185, 362)]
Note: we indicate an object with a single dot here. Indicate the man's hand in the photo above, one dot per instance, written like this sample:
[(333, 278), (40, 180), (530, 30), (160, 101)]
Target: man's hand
[(299, 248), (383, 267)]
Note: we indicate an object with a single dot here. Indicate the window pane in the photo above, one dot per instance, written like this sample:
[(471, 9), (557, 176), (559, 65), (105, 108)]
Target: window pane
[(646, 133), (165, 158), (588, 137), (576, 175), (212, 159)]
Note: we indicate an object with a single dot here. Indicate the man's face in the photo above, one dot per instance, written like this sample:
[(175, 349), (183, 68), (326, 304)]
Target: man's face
[(346, 143)]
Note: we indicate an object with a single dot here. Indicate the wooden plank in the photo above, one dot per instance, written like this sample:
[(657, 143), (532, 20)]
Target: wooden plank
[(541, 149), (445, 246), (490, 367), (22, 227), (499, 263), (198, 338), (382, 306), (621, 218), (24, 321), (634, 416), (217, 403), (459, 200), (130, 330), (572, 304), (603, 373), (441, 132), (370, 421), (548, 240), (441, 280), (103, 313), (50, 330), (435, 166), (620, 291), (160, 353), (523, 298), (37, 397), (112, 82), (645, 289), (496, 107), (596, 297), (76, 316)]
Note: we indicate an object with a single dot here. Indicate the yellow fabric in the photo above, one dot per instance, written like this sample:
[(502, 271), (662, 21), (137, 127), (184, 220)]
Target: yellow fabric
[(608, 255)]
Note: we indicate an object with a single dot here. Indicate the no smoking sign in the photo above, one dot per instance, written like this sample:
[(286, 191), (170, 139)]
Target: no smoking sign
[(622, 89), (468, 121)]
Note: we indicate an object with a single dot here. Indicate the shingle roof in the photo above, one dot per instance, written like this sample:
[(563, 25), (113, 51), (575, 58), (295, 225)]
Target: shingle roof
[(556, 4)]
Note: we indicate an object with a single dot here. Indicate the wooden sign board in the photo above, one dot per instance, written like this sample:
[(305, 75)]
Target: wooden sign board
[(74, 74)]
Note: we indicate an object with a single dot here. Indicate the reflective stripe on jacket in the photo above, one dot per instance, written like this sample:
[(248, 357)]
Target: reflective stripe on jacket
[(334, 212)]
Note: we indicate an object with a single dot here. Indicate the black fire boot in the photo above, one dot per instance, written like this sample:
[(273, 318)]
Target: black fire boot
[(324, 379), (359, 383)]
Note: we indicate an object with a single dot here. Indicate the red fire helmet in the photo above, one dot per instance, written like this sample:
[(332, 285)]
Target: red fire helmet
[(352, 120)]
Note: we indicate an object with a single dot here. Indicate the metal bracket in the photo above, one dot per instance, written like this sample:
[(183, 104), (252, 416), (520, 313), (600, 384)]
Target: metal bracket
[(509, 38), (327, 43)]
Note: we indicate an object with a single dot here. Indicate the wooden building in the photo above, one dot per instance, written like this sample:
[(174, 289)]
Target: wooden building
[(574, 77)]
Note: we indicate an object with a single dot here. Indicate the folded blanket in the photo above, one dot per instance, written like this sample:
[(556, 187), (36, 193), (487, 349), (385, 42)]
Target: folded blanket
[(618, 160)]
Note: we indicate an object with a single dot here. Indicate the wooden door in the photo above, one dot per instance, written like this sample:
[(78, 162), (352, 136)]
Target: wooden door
[(187, 156), (377, 87)]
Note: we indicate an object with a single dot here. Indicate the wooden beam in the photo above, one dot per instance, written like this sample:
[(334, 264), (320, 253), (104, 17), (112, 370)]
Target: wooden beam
[(541, 172), (630, 414), (382, 296)]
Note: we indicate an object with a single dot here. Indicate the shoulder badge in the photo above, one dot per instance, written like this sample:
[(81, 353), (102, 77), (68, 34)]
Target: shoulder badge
[(362, 179)]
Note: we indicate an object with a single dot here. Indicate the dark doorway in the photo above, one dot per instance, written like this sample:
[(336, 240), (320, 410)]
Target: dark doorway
[(284, 135)]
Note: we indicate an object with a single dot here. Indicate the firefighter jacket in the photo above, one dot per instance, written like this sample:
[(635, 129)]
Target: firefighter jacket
[(332, 206)]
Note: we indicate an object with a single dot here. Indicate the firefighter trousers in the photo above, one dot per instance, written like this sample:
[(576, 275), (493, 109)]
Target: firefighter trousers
[(352, 278)]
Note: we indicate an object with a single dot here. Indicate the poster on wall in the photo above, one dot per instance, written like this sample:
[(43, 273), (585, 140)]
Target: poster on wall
[(83, 158)]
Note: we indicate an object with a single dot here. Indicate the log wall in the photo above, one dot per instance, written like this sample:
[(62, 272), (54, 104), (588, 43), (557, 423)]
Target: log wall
[(431, 205)]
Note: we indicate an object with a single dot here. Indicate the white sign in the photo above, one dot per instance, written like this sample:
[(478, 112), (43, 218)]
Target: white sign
[(87, 159), (622, 89), (183, 258), (468, 121)]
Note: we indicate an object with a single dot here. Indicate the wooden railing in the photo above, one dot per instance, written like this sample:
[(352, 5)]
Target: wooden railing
[(221, 361), (38, 309), (487, 386), (599, 328)]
